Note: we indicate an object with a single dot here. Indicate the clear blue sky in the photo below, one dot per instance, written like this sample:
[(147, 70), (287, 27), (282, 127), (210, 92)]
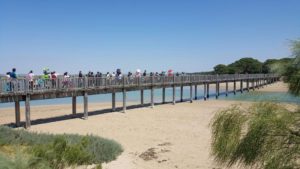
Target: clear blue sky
[(101, 35)]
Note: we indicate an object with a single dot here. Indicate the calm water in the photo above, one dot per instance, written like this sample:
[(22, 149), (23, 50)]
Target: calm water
[(264, 96), (134, 96)]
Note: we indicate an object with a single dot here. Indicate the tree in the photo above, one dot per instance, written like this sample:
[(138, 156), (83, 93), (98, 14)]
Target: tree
[(293, 71), (265, 135), (221, 69), (246, 65), (277, 66), (266, 67)]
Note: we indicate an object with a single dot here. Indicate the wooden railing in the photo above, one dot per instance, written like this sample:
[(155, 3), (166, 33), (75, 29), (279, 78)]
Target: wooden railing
[(23, 85)]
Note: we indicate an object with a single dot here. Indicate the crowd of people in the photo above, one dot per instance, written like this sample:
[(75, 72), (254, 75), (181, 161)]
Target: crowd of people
[(50, 77)]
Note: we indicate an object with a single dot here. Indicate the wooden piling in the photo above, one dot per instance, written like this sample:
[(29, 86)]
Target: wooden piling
[(124, 100), (73, 105), (191, 93), (164, 95), (234, 87), (247, 85), (181, 93), (241, 86), (113, 101), (17, 113), (217, 90), (207, 91), (174, 92), (226, 88), (27, 112), (196, 94), (152, 97), (204, 90), (85, 105), (142, 97)]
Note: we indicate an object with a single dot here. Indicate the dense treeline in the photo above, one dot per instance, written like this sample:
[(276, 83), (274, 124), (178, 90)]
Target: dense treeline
[(251, 65)]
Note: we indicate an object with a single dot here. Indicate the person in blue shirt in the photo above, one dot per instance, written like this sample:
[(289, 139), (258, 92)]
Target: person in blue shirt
[(13, 79), (13, 74)]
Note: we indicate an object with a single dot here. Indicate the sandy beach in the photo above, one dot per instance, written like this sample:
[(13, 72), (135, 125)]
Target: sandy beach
[(164, 137)]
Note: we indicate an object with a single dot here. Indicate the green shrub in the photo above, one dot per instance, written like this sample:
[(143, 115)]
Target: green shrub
[(59, 151)]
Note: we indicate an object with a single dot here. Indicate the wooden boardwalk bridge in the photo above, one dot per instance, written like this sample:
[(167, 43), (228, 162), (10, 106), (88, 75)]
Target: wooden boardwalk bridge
[(22, 89)]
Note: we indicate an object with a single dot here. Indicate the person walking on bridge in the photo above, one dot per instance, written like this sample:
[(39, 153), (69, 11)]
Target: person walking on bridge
[(30, 79), (13, 79)]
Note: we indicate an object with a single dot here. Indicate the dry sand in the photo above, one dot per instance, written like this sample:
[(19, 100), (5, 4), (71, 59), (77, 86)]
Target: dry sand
[(165, 137)]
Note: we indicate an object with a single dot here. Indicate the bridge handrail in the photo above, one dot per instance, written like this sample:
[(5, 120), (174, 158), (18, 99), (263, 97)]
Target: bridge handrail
[(23, 85)]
